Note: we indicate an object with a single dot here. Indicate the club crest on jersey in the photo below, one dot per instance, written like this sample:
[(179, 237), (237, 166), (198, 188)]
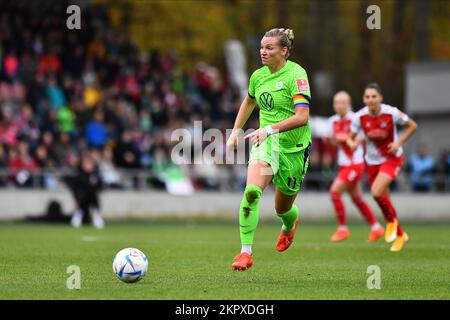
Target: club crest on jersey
[(302, 85), (279, 85), (266, 101), (383, 124)]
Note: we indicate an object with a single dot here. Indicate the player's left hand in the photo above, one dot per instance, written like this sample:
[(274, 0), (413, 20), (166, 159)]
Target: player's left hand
[(351, 144), (393, 147), (257, 137)]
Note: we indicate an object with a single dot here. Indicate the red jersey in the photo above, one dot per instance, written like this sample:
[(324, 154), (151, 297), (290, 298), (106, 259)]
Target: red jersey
[(340, 128), (380, 131)]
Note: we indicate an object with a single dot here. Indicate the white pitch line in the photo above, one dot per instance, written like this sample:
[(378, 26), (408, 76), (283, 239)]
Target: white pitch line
[(89, 238)]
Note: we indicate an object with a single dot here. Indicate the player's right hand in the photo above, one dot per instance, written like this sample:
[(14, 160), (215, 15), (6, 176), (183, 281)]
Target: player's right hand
[(232, 141)]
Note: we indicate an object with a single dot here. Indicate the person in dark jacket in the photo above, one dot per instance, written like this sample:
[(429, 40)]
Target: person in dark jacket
[(85, 186)]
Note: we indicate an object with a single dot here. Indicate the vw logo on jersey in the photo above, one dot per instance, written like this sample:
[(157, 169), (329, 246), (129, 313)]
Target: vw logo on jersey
[(266, 101), (279, 85)]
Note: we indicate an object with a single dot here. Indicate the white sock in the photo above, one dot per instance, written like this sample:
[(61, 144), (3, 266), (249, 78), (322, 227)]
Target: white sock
[(246, 248), (97, 219), (376, 225), (77, 218), (343, 227)]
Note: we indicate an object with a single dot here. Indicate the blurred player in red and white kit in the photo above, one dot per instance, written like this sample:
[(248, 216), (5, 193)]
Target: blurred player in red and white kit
[(351, 169), (384, 153)]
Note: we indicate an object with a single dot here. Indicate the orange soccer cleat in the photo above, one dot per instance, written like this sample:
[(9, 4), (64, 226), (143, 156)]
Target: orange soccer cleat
[(376, 234), (391, 231), (285, 239), (399, 242), (340, 234), (242, 262)]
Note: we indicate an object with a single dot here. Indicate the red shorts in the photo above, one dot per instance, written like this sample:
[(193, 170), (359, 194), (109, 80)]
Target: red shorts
[(351, 174), (391, 167)]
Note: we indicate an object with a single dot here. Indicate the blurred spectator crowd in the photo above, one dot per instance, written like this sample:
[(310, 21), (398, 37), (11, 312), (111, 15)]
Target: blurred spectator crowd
[(65, 93)]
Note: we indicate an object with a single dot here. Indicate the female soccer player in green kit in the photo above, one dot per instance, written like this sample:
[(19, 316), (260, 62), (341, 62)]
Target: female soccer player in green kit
[(281, 144)]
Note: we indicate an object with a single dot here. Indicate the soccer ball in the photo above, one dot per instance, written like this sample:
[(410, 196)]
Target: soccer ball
[(130, 265)]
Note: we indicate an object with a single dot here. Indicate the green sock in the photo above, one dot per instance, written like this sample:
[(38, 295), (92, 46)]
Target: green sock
[(249, 213), (289, 218)]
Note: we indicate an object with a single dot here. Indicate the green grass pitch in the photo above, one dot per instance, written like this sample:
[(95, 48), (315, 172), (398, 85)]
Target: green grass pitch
[(189, 260)]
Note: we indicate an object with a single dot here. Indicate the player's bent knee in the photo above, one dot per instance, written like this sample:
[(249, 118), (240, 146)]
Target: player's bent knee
[(357, 199), (334, 189), (252, 193), (335, 195), (376, 192), (280, 209)]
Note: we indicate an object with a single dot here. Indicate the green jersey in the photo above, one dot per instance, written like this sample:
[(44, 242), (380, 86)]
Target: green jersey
[(274, 94)]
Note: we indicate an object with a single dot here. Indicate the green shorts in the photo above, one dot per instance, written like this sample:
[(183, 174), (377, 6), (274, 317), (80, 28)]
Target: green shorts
[(288, 169)]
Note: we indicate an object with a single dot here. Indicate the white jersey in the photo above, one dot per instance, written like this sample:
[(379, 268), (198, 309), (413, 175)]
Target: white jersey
[(380, 130), (340, 127)]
